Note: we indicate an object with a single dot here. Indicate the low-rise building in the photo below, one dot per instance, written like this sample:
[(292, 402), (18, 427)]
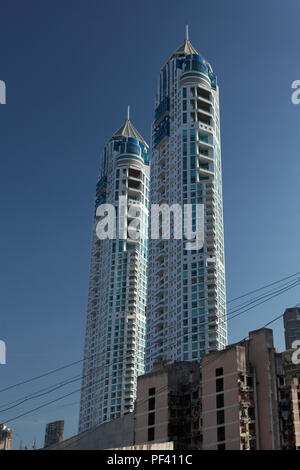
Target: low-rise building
[(247, 402), (168, 405)]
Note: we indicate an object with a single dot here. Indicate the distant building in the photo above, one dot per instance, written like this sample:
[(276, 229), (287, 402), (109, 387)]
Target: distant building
[(247, 403), (168, 405), (291, 370), (54, 433), (291, 319), (6, 437)]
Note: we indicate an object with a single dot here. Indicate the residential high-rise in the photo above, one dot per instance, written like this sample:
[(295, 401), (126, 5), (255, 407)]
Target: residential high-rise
[(115, 327), (54, 433), (186, 307), (291, 319)]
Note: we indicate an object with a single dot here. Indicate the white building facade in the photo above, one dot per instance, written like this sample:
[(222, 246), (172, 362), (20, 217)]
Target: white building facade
[(186, 306), (115, 325)]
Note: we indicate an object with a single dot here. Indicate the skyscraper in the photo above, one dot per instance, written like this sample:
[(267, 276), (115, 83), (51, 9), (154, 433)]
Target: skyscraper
[(186, 307), (115, 325)]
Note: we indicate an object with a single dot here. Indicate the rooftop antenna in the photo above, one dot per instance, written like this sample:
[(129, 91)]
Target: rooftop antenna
[(186, 32), (128, 112)]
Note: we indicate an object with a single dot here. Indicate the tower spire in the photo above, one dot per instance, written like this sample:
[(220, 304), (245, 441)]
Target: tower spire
[(186, 32), (128, 112)]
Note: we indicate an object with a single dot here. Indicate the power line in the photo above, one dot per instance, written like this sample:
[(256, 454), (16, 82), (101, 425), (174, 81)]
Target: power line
[(277, 318), (76, 378), (89, 431), (281, 291), (241, 308), (53, 371), (41, 406), (49, 389), (209, 361), (80, 377), (54, 387), (76, 391), (40, 376), (262, 288), (234, 313), (73, 379), (252, 300), (49, 403)]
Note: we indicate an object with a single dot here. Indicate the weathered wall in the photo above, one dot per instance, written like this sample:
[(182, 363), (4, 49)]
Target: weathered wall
[(114, 434)]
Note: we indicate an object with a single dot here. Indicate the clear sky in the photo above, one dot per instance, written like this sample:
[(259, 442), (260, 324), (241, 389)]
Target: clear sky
[(71, 68)]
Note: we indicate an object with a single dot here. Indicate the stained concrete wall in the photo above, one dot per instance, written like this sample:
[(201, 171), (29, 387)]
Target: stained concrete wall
[(116, 433)]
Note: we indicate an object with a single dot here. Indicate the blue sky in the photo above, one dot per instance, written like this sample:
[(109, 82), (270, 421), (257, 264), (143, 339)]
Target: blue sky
[(71, 68)]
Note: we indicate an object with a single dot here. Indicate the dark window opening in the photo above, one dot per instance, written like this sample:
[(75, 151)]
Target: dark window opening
[(219, 385), (151, 404), (151, 434), (220, 417), (151, 419), (220, 401), (221, 434)]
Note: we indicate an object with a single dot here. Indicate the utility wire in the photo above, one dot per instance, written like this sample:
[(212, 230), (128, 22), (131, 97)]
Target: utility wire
[(50, 389), (83, 434), (71, 381), (264, 287), (50, 402), (40, 376), (35, 395), (66, 382), (237, 312), (78, 390), (83, 359), (41, 406), (252, 300)]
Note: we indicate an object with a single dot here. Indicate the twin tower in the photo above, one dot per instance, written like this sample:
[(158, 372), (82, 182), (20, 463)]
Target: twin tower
[(152, 299)]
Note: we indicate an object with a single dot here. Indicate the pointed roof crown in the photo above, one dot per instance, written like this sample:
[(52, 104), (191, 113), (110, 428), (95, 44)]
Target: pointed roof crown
[(128, 130), (186, 48)]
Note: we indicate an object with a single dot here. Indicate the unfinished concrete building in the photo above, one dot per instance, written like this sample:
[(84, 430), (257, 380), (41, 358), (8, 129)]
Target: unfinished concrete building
[(248, 404), (168, 405)]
